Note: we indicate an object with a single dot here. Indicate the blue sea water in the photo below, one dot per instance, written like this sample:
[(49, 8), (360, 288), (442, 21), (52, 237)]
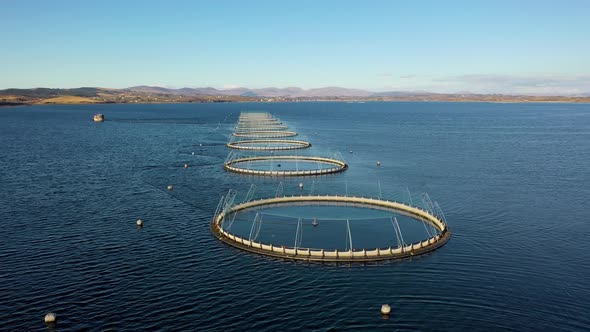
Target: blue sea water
[(512, 179)]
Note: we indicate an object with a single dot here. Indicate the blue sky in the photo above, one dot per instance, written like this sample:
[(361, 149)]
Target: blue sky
[(540, 47)]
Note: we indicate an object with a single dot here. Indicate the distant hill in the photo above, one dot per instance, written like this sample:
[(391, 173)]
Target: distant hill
[(150, 89), (182, 91), (335, 92), (141, 94), (47, 93), (68, 100), (402, 93)]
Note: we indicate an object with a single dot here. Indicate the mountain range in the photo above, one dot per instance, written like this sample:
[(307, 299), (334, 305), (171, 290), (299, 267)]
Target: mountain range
[(291, 92), (295, 92)]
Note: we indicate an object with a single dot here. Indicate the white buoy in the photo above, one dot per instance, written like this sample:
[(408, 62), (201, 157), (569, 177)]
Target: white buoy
[(193, 153), (50, 318), (385, 309), (185, 165), (300, 185), (200, 144), (169, 187), (378, 163), (350, 151), (139, 222)]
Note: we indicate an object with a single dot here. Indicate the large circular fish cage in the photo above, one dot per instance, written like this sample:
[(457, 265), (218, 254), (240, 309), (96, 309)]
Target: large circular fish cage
[(221, 226), (305, 165), (265, 134), (269, 145)]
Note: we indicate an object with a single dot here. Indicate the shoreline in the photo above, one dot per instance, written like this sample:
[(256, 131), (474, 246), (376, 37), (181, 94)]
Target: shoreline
[(11, 105)]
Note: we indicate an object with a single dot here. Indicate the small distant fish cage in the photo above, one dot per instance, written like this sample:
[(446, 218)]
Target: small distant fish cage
[(265, 134), (268, 145), (330, 228), (98, 117), (260, 127), (284, 165)]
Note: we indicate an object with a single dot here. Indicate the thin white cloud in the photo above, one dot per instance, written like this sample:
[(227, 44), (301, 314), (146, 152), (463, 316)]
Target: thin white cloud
[(555, 85), (520, 84)]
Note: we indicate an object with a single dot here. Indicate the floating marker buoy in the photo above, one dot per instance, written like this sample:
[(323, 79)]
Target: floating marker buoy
[(200, 144), (139, 222), (315, 222), (50, 318), (185, 165), (193, 153), (350, 151), (385, 309), (301, 185), (169, 187), (378, 163)]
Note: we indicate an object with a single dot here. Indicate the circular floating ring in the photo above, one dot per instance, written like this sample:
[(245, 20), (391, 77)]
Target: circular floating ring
[(252, 119), (375, 254), (261, 128), (287, 144), (265, 134), (265, 121), (339, 166)]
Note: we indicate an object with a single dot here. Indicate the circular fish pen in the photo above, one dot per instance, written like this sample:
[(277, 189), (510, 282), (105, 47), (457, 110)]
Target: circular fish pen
[(265, 134), (285, 165), (269, 145), (270, 122), (261, 127), (303, 237), (260, 120)]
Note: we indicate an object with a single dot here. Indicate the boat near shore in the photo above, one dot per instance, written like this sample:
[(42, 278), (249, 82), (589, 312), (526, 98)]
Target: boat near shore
[(99, 117)]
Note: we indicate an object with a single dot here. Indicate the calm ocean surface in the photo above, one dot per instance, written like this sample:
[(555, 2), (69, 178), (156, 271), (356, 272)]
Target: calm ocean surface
[(513, 180)]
